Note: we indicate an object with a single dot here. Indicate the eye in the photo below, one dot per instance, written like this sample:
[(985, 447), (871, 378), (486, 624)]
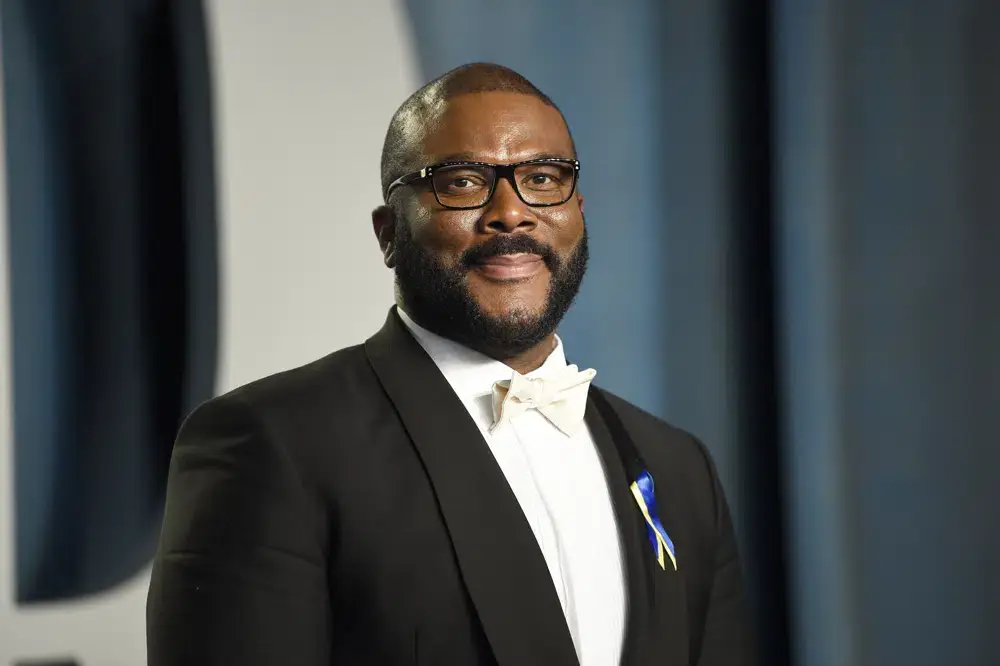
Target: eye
[(542, 177), (455, 182), (460, 180)]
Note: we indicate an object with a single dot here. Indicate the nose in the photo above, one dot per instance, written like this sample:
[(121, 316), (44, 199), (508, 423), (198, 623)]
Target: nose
[(506, 213)]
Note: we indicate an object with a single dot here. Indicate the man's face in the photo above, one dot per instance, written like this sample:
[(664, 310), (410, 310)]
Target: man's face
[(497, 278)]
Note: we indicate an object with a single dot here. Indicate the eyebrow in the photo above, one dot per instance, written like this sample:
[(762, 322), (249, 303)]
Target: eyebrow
[(472, 157)]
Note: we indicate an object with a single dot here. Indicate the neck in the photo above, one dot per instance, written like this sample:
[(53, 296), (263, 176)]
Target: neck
[(531, 359), (523, 363)]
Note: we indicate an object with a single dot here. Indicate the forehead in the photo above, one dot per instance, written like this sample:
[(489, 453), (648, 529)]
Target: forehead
[(496, 127)]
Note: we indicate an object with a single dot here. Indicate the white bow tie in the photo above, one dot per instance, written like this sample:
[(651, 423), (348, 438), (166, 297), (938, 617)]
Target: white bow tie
[(561, 398)]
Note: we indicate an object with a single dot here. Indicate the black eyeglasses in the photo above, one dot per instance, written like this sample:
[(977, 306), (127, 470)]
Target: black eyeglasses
[(466, 185)]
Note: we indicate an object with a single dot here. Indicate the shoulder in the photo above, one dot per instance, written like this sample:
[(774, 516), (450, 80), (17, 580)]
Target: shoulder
[(340, 372), (310, 416), (291, 427), (655, 436), (247, 460), (671, 453), (297, 392)]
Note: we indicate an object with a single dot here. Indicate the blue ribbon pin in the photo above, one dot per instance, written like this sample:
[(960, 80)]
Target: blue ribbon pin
[(642, 490)]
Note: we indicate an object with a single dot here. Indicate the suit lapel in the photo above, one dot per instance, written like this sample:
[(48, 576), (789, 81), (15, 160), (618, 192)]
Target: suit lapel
[(501, 564), (656, 629), (639, 580)]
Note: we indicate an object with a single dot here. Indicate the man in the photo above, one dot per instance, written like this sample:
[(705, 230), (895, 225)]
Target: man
[(451, 491)]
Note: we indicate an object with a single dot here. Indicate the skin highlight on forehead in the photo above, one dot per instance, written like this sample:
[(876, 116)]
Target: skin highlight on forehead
[(413, 127), (499, 127)]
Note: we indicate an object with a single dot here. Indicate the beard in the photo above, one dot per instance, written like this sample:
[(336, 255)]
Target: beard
[(438, 297)]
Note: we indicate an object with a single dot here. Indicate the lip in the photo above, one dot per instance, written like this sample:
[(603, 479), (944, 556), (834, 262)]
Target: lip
[(510, 266)]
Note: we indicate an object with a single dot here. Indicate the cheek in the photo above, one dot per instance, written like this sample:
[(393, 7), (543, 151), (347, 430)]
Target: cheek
[(568, 230), (446, 234)]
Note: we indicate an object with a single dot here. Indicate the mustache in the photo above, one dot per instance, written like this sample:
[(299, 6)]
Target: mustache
[(510, 244)]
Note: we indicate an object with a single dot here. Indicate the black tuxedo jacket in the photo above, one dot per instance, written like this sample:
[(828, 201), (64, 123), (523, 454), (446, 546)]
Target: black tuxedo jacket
[(349, 512)]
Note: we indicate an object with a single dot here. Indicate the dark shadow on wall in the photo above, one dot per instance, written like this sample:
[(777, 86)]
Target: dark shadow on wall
[(113, 243)]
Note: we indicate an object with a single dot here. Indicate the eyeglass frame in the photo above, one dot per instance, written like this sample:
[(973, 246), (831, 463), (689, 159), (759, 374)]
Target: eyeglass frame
[(501, 170)]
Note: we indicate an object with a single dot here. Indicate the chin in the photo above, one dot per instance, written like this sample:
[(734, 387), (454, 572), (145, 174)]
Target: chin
[(512, 301), (513, 312)]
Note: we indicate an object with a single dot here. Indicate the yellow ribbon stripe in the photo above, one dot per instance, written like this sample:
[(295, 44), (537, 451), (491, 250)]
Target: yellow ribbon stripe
[(661, 542)]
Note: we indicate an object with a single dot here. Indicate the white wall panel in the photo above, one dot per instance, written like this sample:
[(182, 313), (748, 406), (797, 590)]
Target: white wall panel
[(303, 92)]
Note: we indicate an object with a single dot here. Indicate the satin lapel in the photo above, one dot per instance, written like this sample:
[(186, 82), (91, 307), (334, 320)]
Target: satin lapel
[(657, 628), (639, 577), (501, 564)]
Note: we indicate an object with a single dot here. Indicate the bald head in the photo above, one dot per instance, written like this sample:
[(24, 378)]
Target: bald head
[(401, 148)]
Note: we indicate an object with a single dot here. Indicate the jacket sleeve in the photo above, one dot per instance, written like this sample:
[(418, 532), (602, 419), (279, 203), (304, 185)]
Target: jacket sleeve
[(727, 637), (239, 576)]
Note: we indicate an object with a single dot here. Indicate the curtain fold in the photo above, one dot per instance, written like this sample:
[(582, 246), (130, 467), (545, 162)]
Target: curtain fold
[(890, 309), (803, 274), (112, 273)]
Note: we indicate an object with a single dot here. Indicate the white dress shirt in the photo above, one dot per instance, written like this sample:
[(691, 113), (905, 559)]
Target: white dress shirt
[(560, 483)]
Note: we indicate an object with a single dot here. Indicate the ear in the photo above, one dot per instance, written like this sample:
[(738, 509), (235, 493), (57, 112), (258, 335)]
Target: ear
[(579, 201), (384, 225)]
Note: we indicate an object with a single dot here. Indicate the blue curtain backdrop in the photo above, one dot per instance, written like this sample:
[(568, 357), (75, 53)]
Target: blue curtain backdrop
[(889, 221), (111, 223), (795, 224)]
